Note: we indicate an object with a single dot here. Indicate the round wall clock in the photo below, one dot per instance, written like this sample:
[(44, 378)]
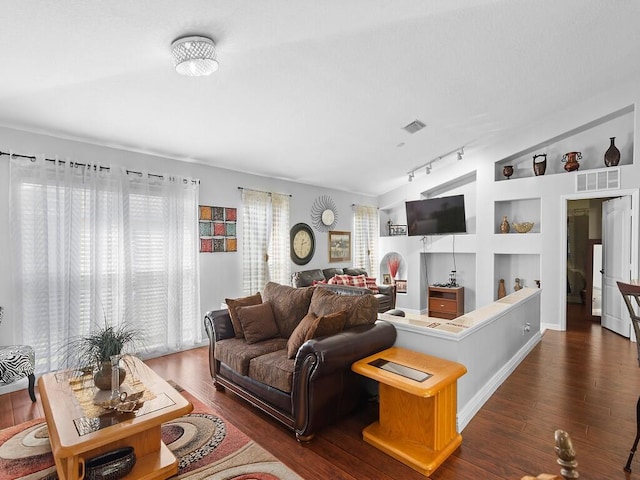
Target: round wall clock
[(324, 214), (303, 243)]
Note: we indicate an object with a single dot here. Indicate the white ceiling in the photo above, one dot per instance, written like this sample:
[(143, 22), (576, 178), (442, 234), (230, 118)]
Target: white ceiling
[(315, 91)]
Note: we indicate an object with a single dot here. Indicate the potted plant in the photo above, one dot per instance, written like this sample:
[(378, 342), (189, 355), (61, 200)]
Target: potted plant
[(95, 351)]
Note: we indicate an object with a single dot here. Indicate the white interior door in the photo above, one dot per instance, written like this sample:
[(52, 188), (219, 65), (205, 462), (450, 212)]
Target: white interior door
[(616, 262)]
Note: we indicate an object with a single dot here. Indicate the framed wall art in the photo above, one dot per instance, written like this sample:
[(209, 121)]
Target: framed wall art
[(218, 229), (339, 246)]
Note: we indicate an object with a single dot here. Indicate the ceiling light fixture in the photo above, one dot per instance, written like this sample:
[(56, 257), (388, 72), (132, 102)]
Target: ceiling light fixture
[(194, 56), (411, 175), (460, 153), (428, 169)]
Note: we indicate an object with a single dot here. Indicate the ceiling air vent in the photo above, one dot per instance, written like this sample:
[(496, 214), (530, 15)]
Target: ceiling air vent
[(414, 126), (594, 180)]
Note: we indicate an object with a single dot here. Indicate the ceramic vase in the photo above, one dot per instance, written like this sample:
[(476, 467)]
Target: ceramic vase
[(612, 155), (102, 378), (502, 291), (504, 226), (540, 166), (507, 171), (570, 161)]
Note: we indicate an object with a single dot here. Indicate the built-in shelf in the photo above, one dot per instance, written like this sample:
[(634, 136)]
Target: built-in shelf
[(590, 139), (517, 211), (524, 266)]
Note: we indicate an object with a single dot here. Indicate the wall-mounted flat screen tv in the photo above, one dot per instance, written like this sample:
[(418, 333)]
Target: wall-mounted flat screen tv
[(436, 216)]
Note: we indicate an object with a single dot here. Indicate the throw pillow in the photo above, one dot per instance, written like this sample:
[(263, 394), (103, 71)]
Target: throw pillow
[(339, 280), (234, 304), (316, 282), (361, 309), (289, 304), (300, 334), (257, 322), (372, 285), (328, 325), (358, 281)]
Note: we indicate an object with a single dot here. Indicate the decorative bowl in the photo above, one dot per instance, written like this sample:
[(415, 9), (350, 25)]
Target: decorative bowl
[(110, 465), (523, 227)]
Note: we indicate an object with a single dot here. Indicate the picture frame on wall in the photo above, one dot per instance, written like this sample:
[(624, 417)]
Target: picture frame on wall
[(386, 279), (401, 286), (339, 246)]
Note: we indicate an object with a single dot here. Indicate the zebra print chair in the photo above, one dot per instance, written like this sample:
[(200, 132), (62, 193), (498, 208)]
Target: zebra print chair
[(16, 362)]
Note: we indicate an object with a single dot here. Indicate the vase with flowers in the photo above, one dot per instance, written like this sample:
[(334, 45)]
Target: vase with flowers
[(393, 264), (100, 351)]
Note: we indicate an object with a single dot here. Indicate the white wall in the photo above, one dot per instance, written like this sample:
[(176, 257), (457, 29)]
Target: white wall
[(220, 273), (552, 189)]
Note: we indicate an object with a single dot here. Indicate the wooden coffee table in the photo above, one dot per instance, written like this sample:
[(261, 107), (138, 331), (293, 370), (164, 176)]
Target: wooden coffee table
[(140, 430), (417, 423)]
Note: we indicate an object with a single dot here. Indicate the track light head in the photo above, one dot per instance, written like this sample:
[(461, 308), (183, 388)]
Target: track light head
[(460, 153), (411, 175)]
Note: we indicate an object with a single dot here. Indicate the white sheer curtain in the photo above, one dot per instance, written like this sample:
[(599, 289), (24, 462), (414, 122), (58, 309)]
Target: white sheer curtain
[(94, 245), (366, 228), (265, 239)]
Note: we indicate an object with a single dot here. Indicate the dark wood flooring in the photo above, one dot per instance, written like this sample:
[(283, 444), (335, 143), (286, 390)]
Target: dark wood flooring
[(585, 380)]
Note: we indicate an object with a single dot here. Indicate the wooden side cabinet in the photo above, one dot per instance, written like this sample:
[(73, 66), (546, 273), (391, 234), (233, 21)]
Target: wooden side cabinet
[(446, 302)]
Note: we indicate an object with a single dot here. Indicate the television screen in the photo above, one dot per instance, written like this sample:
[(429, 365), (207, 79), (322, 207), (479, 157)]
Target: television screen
[(436, 216)]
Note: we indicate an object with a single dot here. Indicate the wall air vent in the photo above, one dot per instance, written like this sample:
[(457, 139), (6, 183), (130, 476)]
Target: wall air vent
[(594, 180), (414, 126)]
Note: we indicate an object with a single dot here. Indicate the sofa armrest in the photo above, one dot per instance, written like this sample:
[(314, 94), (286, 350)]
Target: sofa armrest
[(217, 324), (387, 289), (322, 371)]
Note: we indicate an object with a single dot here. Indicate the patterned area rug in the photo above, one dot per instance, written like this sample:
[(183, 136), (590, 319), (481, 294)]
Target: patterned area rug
[(207, 447)]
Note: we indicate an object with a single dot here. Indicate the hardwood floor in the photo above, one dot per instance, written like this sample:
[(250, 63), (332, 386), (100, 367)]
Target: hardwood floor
[(585, 381)]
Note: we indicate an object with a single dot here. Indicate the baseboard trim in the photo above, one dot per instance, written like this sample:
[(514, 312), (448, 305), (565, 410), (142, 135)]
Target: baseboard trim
[(479, 399)]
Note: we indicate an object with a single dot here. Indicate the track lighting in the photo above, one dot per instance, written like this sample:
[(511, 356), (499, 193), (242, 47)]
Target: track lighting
[(429, 165)]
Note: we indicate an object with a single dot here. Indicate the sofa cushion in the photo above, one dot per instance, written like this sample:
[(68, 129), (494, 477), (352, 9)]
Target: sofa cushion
[(257, 322), (328, 325), (361, 309), (236, 353), (299, 335), (234, 304), (289, 304), (305, 278), (313, 326), (358, 281), (273, 369), (332, 272), (355, 271), (339, 280), (372, 285)]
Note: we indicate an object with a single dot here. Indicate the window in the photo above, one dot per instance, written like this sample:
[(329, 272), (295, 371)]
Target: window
[(265, 240), (94, 245), (365, 238)]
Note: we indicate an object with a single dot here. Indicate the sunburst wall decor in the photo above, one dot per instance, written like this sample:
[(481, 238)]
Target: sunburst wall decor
[(324, 214)]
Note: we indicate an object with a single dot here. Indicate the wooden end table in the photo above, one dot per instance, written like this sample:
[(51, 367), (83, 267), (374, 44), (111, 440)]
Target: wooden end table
[(139, 430), (417, 421)]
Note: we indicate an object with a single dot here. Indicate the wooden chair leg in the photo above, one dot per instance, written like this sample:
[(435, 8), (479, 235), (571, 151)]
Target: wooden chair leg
[(627, 467), (32, 382)]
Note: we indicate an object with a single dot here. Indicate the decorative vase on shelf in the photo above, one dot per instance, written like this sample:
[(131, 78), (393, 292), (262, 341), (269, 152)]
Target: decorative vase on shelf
[(507, 171), (502, 291), (612, 155), (517, 286), (540, 166), (570, 161), (504, 226)]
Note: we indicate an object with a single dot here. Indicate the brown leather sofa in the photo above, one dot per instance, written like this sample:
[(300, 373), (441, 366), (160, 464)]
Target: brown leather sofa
[(305, 278), (321, 387)]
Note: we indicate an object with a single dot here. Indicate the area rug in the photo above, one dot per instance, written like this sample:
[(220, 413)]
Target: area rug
[(206, 445)]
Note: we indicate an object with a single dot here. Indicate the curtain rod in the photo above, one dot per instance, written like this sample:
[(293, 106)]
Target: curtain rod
[(77, 164), (358, 205), (263, 191)]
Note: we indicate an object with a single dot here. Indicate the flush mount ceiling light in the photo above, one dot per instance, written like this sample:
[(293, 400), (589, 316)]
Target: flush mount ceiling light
[(194, 56)]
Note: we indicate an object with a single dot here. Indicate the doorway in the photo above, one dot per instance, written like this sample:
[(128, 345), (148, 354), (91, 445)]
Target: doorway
[(584, 272)]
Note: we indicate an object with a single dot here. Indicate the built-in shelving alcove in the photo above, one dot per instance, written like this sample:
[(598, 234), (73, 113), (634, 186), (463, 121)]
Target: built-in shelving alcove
[(509, 266), (590, 139)]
